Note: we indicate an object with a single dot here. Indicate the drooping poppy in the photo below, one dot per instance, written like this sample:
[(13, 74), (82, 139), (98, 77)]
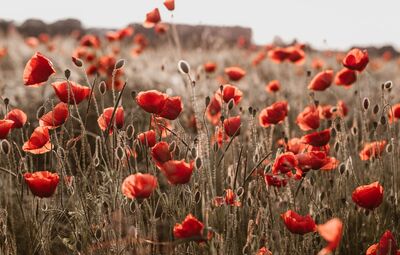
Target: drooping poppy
[(213, 111), (273, 114), (160, 153), (273, 86), (298, 224), (172, 108), (43, 183), (139, 185), (372, 150), (356, 59), (345, 77), (230, 92), (318, 139), (321, 81), (308, 119), (232, 126), (190, 227), (105, 119), (152, 101), (235, 73), (147, 138), (177, 171), (368, 196), (18, 116), (39, 142), (70, 92), (152, 18), (169, 4), (5, 128), (56, 117), (331, 231), (37, 70)]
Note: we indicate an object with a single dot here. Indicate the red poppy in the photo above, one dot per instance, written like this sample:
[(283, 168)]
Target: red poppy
[(308, 119), (278, 55), (285, 163), (39, 142), (372, 150), (105, 118), (169, 4), (343, 110), (316, 160), (177, 172), (273, 86), (3, 52), (147, 138), (37, 70), (56, 117), (160, 28), (210, 67), (152, 101), (213, 111), (90, 41), (296, 55), (345, 77), (331, 231), (394, 113), (152, 18), (42, 184), (356, 59), (317, 64), (70, 92), (317, 139), (276, 181), (372, 250), (172, 108), (298, 224), (18, 116), (5, 128), (190, 227), (264, 251), (232, 126), (32, 42), (139, 185), (368, 196), (321, 81), (125, 32), (235, 73), (160, 153), (273, 114), (387, 244), (295, 145), (228, 199), (230, 92)]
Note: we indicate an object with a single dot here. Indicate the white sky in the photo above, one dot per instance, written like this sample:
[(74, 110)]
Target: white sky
[(341, 23)]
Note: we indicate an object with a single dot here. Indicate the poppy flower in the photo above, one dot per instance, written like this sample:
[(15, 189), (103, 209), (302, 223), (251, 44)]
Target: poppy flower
[(160, 153), (56, 117), (190, 227), (210, 67), (235, 73), (295, 145), (32, 42), (273, 114), (316, 160), (273, 86), (317, 64), (5, 128), (213, 111), (37, 70), (90, 41), (345, 77), (343, 110), (228, 199), (230, 92), (161, 28), (394, 113), (18, 116), (232, 126), (172, 108), (317, 139), (278, 55), (368, 196), (295, 55), (152, 101), (139, 185), (372, 150), (105, 118), (321, 81), (169, 4), (331, 231), (372, 250), (70, 92), (147, 138), (125, 32), (387, 244), (285, 163), (177, 172), (276, 181), (39, 142), (152, 18), (308, 119), (3, 52), (264, 251), (43, 183), (298, 224), (356, 59)]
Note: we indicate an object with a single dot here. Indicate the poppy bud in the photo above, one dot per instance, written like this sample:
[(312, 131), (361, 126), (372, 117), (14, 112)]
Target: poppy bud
[(198, 163), (5, 147), (77, 62), (6, 101), (183, 67), (40, 112), (366, 103), (67, 73), (130, 131), (207, 101), (388, 85), (376, 109), (102, 87), (120, 63)]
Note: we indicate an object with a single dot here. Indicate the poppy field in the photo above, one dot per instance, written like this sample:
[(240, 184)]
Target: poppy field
[(111, 145)]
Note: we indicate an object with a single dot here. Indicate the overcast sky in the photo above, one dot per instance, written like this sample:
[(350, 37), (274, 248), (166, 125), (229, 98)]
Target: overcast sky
[(325, 24)]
